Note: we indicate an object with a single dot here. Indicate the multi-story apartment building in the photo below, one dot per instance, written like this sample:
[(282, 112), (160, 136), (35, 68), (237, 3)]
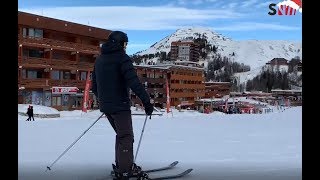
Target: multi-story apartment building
[(185, 84), (184, 51), (277, 64), (54, 57), (217, 89)]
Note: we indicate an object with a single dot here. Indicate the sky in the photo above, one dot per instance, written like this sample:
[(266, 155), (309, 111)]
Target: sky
[(147, 22), (217, 146)]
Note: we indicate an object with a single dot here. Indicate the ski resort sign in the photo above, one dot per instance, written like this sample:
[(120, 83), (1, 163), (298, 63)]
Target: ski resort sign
[(286, 7), (64, 90)]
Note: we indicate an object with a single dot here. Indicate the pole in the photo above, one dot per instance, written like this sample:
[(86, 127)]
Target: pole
[(144, 125), (49, 167)]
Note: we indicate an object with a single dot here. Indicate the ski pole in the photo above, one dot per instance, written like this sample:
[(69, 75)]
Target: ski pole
[(135, 157), (49, 167)]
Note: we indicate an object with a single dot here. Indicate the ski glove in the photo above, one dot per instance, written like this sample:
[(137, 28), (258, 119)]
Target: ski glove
[(148, 108)]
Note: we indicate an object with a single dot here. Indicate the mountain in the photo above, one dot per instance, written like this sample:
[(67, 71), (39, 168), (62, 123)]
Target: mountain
[(250, 52)]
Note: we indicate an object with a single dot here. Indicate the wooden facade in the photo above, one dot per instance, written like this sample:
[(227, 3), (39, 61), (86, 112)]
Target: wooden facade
[(217, 89), (53, 52), (185, 84), (184, 51)]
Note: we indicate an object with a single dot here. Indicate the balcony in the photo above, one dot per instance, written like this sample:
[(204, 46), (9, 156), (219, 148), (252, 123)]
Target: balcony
[(85, 66), (186, 94), (33, 83), (160, 100), (159, 90), (68, 82), (152, 80), (187, 78), (48, 83), (56, 44), (187, 86), (62, 64), (33, 62)]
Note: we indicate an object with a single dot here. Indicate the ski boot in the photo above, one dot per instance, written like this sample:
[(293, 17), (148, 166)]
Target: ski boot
[(136, 172)]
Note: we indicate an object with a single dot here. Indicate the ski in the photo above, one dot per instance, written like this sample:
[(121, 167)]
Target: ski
[(170, 166), (171, 176), (163, 168)]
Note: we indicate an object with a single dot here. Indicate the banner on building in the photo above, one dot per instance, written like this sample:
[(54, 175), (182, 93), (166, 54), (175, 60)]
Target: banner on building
[(226, 105), (64, 90), (168, 97), (86, 93)]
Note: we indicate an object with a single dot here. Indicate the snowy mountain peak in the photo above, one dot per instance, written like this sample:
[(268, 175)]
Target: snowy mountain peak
[(202, 32), (254, 53), (190, 33)]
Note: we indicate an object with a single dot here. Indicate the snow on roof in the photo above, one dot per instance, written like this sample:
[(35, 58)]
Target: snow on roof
[(166, 66), (286, 90)]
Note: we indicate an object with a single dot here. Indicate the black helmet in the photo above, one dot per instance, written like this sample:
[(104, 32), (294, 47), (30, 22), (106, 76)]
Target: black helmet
[(118, 37)]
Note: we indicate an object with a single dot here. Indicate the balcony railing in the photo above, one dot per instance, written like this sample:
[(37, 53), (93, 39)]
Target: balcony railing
[(85, 66), (54, 63), (47, 83), (57, 44), (69, 82), (160, 100), (186, 94), (62, 64), (188, 78), (33, 83), (152, 80), (158, 90), (33, 62), (187, 86)]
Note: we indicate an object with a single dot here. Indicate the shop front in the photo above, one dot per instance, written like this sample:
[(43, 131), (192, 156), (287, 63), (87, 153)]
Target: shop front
[(62, 97)]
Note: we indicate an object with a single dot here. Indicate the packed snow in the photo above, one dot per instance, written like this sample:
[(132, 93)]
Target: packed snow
[(217, 146)]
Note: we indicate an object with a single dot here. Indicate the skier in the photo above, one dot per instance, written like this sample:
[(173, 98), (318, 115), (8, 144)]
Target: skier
[(112, 77)]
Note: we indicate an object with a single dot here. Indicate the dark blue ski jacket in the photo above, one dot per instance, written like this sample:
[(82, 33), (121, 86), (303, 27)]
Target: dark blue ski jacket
[(112, 77)]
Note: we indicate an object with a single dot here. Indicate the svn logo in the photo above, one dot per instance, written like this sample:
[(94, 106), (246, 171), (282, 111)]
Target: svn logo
[(286, 7)]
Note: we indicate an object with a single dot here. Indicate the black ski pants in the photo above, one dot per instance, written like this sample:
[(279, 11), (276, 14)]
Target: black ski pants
[(122, 125)]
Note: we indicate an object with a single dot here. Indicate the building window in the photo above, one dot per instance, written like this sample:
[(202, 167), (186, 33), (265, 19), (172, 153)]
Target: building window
[(56, 101), (24, 32), (36, 53), (151, 75), (57, 56), (83, 75), (55, 75), (66, 75), (31, 32), (25, 53), (24, 73), (32, 74), (38, 33)]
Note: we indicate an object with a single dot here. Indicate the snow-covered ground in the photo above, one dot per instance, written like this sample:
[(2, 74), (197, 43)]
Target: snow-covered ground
[(217, 146)]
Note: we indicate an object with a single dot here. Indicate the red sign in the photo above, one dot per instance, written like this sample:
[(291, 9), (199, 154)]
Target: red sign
[(85, 103), (168, 97), (64, 90)]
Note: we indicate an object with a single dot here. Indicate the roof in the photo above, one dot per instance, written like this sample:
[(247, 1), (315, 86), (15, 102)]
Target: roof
[(287, 90), (171, 66), (37, 21)]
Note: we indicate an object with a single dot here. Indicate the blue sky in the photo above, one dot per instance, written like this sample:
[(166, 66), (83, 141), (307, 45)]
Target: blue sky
[(149, 21)]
